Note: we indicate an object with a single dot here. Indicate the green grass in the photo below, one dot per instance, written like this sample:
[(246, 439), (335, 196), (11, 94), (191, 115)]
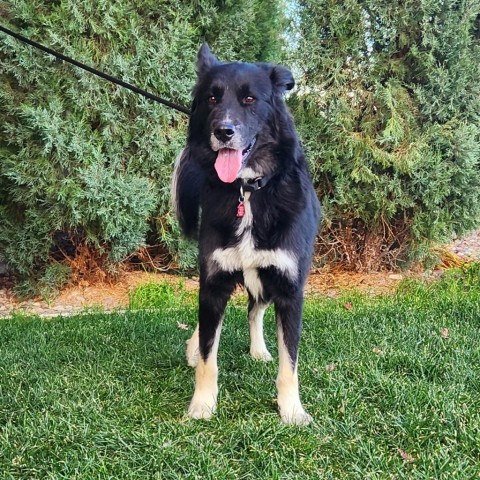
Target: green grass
[(393, 394)]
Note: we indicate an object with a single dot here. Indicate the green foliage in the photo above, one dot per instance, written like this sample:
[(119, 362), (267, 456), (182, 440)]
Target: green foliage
[(455, 282), (388, 110), (82, 156), (155, 295), (48, 285)]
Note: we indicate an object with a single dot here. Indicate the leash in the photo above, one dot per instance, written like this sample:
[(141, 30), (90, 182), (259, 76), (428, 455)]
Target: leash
[(98, 73)]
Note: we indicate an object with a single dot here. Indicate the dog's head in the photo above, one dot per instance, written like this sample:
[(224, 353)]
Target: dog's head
[(234, 105)]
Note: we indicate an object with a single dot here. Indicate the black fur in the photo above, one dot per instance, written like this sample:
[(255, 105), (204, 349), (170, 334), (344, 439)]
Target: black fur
[(286, 212)]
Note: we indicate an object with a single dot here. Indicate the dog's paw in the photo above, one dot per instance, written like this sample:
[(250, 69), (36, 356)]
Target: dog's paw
[(295, 414), (261, 355), (296, 418), (202, 407)]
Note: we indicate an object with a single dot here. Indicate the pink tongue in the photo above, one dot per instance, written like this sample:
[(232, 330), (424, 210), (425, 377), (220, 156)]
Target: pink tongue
[(228, 164)]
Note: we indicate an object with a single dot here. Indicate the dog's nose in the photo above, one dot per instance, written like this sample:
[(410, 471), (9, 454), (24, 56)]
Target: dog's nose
[(224, 132)]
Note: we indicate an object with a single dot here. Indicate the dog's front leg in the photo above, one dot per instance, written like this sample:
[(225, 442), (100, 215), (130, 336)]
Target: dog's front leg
[(204, 401), (288, 316), (213, 299)]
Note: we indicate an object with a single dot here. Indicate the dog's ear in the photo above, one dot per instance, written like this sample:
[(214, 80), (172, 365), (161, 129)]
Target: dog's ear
[(282, 78), (205, 60)]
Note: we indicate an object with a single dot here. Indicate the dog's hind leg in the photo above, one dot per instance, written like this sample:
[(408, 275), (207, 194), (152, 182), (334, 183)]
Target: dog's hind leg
[(213, 299), (256, 311), (288, 314), (193, 349)]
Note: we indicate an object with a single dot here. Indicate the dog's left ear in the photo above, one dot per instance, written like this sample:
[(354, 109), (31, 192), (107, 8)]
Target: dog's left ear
[(205, 60), (282, 78)]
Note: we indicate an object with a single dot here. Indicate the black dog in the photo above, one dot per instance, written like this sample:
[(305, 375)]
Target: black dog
[(244, 169)]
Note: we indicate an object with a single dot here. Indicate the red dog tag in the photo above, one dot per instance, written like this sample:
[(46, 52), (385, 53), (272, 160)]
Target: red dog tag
[(241, 204), (241, 209)]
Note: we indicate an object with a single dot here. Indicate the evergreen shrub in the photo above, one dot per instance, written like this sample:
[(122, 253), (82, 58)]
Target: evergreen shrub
[(388, 109), (85, 165)]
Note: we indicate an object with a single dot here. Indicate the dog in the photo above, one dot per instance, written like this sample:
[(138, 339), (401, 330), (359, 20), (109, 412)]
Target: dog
[(241, 185)]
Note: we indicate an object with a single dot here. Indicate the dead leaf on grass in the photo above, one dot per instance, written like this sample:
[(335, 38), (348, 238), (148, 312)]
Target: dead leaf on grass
[(444, 333), (378, 351), (330, 367), (182, 326), (405, 456)]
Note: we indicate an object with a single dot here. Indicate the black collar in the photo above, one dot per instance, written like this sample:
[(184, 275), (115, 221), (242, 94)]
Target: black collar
[(254, 184)]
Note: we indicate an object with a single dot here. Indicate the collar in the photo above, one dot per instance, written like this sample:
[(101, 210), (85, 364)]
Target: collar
[(250, 185), (254, 184)]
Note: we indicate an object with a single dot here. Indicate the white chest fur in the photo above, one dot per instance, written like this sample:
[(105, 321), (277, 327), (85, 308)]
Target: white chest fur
[(245, 257)]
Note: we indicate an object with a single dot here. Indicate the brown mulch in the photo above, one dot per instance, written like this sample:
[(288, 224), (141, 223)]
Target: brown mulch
[(326, 281)]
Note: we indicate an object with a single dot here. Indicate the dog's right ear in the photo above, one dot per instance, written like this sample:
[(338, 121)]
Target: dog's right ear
[(205, 60)]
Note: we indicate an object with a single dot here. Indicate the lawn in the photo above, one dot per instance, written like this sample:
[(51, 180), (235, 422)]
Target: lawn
[(393, 384)]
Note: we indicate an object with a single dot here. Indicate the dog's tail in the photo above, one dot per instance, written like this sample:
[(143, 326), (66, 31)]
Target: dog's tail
[(185, 192)]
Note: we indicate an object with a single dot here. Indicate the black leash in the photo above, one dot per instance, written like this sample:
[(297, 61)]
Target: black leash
[(98, 73)]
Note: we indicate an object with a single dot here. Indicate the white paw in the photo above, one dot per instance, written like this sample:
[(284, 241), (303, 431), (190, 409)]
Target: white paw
[(202, 407), (262, 355), (296, 418), (294, 414)]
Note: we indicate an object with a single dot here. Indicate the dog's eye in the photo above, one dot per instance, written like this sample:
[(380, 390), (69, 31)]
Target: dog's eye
[(248, 100), (212, 100)]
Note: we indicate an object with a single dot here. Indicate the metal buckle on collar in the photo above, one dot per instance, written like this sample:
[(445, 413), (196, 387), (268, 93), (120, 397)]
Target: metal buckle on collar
[(254, 184)]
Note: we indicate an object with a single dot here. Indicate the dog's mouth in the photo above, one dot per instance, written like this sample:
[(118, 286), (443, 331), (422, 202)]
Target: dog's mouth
[(229, 162)]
